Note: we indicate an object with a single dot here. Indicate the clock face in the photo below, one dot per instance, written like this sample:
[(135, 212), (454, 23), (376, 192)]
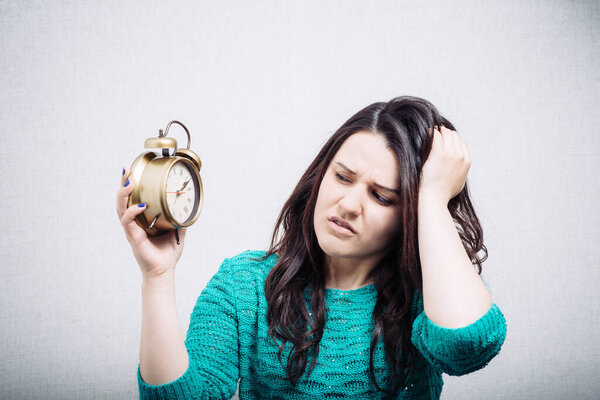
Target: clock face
[(182, 192)]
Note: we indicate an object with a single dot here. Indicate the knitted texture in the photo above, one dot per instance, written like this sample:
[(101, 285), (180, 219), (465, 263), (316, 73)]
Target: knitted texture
[(227, 340)]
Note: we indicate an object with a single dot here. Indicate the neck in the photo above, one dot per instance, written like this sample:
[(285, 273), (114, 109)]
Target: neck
[(347, 274)]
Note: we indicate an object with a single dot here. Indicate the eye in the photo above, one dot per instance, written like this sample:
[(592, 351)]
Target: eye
[(342, 178), (381, 199)]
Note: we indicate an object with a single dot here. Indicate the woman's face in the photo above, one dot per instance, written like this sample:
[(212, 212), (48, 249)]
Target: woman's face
[(353, 192)]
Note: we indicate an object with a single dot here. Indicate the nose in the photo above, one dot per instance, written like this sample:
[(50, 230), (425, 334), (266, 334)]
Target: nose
[(350, 204)]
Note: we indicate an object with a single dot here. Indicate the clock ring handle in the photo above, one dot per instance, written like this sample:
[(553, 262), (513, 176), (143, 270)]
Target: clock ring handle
[(163, 134)]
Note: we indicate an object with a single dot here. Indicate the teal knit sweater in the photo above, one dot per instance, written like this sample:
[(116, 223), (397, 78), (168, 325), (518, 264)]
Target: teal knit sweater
[(227, 340)]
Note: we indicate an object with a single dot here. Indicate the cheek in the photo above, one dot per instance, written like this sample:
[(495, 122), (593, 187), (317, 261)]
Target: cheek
[(326, 193), (321, 203), (388, 224)]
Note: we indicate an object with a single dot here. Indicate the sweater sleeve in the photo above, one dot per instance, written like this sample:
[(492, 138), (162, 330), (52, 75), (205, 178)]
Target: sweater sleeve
[(212, 346), (462, 350)]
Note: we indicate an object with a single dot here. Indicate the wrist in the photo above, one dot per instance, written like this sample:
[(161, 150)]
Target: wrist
[(164, 281), (431, 196)]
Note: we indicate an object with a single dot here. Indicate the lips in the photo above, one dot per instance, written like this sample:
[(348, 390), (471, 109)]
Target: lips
[(343, 223)]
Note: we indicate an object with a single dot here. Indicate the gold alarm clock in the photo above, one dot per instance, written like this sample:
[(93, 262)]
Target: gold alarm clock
[(168, 180)]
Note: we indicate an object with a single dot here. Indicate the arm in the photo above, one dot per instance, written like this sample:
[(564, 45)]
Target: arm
[(453, 293), (211, 345), (163, 356), (459, 330), (462, 350)]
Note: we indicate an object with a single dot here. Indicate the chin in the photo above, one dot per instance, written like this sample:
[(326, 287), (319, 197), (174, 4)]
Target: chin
[(336, 248)]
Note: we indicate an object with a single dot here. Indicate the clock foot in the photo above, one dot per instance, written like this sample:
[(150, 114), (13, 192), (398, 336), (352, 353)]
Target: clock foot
[(154, 221)]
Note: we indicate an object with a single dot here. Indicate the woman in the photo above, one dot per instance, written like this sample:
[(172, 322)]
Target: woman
[(369, 291)]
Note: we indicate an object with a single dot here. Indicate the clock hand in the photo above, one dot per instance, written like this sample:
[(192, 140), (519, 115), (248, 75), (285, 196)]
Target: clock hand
[(180, 191), (185, 184)]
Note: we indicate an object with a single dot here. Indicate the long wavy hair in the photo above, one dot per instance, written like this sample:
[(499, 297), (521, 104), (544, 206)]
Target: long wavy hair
[(404, 123)]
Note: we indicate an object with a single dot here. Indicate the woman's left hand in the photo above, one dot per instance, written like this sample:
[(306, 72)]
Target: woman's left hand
[(445, 171)]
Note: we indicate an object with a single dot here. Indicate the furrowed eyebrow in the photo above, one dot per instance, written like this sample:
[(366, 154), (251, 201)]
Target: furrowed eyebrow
[(376, 184)]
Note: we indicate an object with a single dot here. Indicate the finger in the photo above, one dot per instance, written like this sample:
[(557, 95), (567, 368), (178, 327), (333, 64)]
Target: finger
[(453, 142), (132, 229), (449, 145), (438, 140), (459, 145), (456, 144), (466, 152), (123, 194), (125, 175), (431, 131)]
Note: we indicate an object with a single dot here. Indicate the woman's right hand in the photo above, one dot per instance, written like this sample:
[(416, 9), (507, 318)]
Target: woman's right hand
[(156, 256)]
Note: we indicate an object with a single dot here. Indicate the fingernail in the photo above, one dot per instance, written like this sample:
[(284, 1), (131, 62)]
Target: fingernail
[(126, 183), (142, 205), (123, 172)]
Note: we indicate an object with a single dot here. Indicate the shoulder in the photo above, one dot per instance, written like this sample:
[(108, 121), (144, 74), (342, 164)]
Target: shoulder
[(250, 265), (251, 256), (252, 259)]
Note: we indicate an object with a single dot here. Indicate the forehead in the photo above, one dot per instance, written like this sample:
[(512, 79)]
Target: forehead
[(367, 154)]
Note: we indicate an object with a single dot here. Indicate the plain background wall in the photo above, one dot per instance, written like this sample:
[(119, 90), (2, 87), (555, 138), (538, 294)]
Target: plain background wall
[(261, 85)]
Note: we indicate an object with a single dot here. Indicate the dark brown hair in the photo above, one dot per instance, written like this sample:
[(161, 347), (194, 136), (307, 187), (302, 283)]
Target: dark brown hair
[(404, 123)]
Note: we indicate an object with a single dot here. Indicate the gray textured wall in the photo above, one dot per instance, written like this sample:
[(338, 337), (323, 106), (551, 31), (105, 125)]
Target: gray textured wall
[(261, 85)]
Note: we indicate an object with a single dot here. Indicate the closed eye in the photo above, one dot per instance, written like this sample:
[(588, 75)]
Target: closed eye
[(382, 199), (342, 178), (379, 198)]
